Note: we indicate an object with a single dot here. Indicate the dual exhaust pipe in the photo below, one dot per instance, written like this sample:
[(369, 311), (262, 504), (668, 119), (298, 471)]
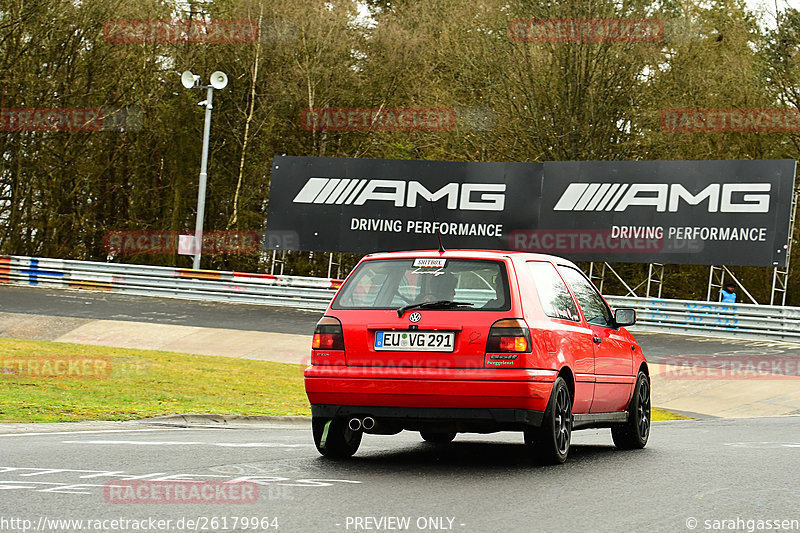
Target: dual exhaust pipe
[(361, 424)]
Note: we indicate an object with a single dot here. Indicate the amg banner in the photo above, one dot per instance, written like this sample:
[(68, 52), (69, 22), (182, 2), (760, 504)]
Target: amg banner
[(677, 212)]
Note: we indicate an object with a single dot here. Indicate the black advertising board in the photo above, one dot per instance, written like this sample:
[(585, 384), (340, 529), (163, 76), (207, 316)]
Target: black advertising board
[(370, 205), (676, 212)]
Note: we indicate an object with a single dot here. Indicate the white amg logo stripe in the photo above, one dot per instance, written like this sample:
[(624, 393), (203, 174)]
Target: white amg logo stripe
[(601, 193), (570, 197), (591, 190), (359, 186), (346, 192), (326, 191), (618, 196), (337, 191), (310, 190), (608, 196), (591, 196)]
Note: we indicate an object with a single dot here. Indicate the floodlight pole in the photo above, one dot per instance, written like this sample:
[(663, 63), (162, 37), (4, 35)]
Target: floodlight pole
[(201, 191)]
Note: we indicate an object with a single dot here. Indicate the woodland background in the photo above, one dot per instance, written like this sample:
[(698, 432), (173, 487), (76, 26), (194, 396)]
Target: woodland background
[(60, 192)]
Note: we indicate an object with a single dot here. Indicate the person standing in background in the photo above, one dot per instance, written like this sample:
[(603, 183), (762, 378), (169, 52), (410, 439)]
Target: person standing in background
[(728, 293)]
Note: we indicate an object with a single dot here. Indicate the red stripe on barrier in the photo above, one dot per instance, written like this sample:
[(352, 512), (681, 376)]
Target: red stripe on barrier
[(336, 283), (251, 275), (5, 268)]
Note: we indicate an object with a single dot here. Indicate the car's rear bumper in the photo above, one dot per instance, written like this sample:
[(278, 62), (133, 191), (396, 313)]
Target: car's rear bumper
[(435, 418), (501, 396)]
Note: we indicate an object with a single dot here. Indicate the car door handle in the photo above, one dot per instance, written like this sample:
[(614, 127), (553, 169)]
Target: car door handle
[(597, 340)]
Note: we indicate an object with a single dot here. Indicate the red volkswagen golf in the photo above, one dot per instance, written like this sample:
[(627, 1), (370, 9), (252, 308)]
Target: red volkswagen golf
[(475, 342)]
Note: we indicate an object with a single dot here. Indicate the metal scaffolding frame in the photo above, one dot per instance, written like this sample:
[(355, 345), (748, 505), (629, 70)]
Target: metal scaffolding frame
[(275, 261), (780, 282), (716, 280), (337, 264), (716, 274), (655, 278), (780, 275), (653, 282)]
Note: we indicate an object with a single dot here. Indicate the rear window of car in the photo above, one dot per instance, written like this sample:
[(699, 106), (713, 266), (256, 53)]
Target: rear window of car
[(394, 283)]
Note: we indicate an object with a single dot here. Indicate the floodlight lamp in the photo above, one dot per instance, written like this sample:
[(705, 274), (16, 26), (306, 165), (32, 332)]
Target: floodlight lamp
[(189, 80), (219, 80)]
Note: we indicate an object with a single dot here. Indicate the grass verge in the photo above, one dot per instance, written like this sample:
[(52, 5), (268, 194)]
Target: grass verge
[(122, 384)]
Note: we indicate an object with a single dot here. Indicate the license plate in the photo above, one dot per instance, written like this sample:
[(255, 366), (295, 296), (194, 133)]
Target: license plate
[(414, 341)]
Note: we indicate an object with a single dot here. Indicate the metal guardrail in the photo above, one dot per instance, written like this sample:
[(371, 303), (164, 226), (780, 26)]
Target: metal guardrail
[(143, 280), (675, 316), (713, 318)]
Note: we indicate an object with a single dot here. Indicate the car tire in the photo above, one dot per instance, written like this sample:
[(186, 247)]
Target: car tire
[(550, 442), (340, 442), (634, 433), (436, 437)]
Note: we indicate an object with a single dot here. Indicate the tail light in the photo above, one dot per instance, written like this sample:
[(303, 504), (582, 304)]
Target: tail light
[(509, 336), (328, 335)]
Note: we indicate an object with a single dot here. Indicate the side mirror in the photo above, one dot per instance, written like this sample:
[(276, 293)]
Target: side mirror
[(625, 317)]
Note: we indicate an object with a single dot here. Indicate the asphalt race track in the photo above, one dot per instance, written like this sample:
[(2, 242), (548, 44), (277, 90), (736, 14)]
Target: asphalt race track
[(709, 474), (701, 470), (98, 305), (105, 306)]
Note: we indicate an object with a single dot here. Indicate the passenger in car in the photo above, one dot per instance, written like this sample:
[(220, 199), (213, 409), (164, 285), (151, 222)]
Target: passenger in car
[(441, 288)]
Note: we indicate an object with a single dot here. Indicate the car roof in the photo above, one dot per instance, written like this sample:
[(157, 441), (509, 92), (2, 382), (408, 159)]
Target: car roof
[(468, 254)]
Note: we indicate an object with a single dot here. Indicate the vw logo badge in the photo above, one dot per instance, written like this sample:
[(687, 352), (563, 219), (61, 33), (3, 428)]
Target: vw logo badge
[(415, 317)]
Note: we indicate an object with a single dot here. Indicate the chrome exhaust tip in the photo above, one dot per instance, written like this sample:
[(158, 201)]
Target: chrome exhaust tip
[(368, 423), (354, 424)]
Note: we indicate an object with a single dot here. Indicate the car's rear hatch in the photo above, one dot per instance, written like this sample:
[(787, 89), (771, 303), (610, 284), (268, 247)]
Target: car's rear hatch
[(421, 312)]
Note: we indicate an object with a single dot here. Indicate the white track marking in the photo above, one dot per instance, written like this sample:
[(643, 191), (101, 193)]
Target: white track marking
[(34, 434), (191, 443)]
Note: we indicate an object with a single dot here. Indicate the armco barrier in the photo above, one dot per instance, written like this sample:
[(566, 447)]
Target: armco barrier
[(289, 291), (675, 316), (745, 321)]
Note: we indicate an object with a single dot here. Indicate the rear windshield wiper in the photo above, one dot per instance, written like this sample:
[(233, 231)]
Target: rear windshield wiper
[(444, 304)]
